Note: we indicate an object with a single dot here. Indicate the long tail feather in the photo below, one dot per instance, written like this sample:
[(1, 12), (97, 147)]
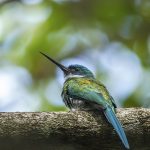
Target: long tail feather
[(111, 117)]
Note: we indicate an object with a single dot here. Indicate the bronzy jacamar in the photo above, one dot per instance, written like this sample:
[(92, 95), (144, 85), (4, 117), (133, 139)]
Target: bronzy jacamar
[(81, 91)]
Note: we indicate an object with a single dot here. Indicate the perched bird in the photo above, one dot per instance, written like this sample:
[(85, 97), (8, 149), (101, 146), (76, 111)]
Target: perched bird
[(81, 91)]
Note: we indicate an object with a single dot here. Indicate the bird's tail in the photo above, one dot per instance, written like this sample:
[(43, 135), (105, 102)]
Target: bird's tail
[(111, 117)]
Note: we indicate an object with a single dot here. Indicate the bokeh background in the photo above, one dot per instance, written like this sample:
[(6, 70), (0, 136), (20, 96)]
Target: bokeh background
[(112, 38)]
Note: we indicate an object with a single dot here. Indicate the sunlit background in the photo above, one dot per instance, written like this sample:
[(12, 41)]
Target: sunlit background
[(112, 38)]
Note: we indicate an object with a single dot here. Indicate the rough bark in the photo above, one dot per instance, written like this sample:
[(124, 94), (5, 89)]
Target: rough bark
[(73, 130)]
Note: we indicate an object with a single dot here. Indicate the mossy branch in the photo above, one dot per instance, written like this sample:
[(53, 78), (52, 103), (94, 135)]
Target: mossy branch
[(73, 130)]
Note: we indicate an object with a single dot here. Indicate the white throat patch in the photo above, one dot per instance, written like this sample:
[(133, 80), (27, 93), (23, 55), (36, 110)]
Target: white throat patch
[(73, 76)]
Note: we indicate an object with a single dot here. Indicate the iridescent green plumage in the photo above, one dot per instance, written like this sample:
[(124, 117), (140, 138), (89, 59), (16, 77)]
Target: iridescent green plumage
[(90, 90), (81, 91)]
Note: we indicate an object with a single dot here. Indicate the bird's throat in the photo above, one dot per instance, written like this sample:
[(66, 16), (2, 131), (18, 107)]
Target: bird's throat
[(73, 76)]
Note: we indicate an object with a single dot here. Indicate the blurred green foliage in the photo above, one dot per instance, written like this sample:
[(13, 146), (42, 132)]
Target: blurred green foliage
[(66, 29)]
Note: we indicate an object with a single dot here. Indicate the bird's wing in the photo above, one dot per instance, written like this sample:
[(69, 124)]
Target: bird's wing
[(113, 102), (104, 89), (89, 90)]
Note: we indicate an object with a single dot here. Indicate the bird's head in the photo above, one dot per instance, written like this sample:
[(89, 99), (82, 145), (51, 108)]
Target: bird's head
[(79, 70), (72, 70)]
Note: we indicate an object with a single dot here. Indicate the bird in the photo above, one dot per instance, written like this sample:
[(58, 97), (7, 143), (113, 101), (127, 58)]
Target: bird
[(82, 91)]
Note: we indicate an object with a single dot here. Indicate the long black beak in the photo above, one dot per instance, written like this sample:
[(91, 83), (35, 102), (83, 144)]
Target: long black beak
[(63, 68)]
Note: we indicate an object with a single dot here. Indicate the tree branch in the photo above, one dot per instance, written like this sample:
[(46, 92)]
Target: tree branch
[(73, 130)]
